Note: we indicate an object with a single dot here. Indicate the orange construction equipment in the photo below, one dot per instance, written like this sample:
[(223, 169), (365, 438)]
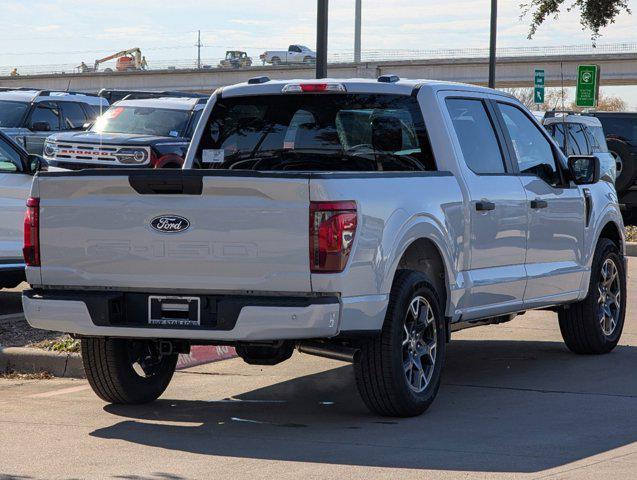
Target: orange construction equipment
[(126, 60)]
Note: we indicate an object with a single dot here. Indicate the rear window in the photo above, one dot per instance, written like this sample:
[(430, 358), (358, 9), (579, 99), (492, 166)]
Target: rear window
[(12, 113), (316, 132)]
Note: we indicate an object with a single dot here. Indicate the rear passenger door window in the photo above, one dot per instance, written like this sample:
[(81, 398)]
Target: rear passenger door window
[(73, 116), (478, 141), (48, 113), (531, 149)]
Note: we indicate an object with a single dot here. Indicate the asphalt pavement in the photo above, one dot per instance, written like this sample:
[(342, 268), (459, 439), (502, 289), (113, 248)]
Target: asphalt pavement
[(514, 404)]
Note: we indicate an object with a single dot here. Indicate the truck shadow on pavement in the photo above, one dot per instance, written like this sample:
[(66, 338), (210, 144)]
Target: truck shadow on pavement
[(504, 406)]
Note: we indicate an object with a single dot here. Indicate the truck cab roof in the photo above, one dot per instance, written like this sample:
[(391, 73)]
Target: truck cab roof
[(398, 86)]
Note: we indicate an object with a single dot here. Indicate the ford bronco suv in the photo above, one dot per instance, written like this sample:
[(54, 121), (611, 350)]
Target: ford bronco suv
[(363, 220), (145, 133)]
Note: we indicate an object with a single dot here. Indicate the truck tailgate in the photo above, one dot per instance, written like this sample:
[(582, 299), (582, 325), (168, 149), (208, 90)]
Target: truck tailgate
[(174, 230)]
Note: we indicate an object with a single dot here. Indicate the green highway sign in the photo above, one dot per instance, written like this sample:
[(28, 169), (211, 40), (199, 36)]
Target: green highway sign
[(587, 86), (538, 86)]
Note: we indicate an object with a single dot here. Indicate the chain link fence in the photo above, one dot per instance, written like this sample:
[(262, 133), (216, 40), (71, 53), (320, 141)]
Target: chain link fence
[(347, 56)]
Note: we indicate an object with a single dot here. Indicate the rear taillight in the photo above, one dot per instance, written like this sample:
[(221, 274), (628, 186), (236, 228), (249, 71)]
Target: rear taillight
[(31, 250), (332, 230)]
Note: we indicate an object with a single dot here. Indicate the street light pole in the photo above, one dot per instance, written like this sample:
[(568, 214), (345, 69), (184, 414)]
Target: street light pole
[(494, 33), (198, 49), (357, 33), (321, 38)]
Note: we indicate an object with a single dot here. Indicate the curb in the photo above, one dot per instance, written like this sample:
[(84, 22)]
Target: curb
[(69, 365), (631, 249), (35, 360)]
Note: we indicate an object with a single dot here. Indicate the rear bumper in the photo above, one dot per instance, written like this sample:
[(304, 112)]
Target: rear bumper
[(233, 318)]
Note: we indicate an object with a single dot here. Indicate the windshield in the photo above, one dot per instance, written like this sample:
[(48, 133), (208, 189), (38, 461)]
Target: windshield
[(316, 132), (160, 122), (598, 140), (12, 113)]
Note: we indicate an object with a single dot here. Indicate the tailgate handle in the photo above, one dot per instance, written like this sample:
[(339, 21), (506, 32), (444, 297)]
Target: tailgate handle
[(170, 184)]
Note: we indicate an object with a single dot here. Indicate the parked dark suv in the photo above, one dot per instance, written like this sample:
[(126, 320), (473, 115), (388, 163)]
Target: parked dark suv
[(621, 136), (30, 116)]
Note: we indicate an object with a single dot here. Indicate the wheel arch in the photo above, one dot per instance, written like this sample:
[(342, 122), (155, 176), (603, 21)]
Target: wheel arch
[(427, 248), (612, 231)]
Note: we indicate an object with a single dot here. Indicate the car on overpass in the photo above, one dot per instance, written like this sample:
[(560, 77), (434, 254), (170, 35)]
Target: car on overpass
[(294, 54), (146, 133), (30, 116)]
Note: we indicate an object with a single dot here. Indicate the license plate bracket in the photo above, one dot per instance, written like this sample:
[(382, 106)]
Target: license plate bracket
[(174, 311)]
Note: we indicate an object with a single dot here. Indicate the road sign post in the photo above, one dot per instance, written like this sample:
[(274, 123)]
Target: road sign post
[(538, 86), (587, 91)]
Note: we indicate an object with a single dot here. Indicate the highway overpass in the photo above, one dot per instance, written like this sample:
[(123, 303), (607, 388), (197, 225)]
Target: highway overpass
[(616, 69)]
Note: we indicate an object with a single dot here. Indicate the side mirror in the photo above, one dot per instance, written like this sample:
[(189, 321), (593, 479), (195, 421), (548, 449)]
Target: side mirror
[(41, 127), (35, 164), (584, 170)]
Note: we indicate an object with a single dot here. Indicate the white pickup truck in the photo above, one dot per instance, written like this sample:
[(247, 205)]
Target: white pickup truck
[(355, 219), (294, 54)]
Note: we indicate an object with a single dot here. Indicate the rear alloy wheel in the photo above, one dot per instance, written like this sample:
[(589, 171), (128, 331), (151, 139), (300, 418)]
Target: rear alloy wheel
[(594, 325), (127, 371), (398, 372)]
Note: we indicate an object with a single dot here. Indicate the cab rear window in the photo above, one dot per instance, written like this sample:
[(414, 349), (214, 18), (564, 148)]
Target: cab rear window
[(316, 132)]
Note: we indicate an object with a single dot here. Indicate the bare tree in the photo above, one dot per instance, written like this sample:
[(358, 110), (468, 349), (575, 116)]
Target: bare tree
[(594, 14), (558, 99)]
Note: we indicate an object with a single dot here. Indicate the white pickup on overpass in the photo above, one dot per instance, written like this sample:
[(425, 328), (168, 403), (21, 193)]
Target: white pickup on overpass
[(616, 69)]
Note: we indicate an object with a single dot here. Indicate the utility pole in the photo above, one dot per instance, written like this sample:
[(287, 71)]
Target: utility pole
[(198, 45), (321, 38), (494, 33), (357, 33)]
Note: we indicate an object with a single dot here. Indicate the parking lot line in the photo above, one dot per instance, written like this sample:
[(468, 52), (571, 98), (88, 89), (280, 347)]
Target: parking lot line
[(62, 391)]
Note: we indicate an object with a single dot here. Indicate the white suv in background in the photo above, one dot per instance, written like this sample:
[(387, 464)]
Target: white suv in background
[(580, 134)]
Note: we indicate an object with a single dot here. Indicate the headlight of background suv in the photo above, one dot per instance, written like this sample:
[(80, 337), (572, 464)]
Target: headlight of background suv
[(50, 149), (132, 156)]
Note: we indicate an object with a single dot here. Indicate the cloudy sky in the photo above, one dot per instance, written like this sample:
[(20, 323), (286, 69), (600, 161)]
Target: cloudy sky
[(67, 32)]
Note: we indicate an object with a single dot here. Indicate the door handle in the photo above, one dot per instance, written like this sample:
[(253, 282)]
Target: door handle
[(536, 204), (484, 206)]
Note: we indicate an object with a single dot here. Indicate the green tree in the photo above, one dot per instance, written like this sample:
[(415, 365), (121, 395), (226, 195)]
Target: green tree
[(594, 14)]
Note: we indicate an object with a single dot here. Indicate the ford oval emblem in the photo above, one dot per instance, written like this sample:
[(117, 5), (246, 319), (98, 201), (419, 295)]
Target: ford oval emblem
[(170, 224)]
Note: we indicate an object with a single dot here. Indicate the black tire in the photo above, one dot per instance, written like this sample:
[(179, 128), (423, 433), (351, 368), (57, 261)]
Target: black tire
[(276, 61), (110, 370), (581, 322), (308, 60), (380, 371), (627, 173)]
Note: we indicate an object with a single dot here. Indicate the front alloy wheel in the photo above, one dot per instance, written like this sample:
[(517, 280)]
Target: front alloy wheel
[(419, 344), (594, 325), (609, 300)]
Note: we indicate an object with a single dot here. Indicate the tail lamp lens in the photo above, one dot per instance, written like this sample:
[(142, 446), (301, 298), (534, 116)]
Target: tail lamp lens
[(332, 230), (31, 250)]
